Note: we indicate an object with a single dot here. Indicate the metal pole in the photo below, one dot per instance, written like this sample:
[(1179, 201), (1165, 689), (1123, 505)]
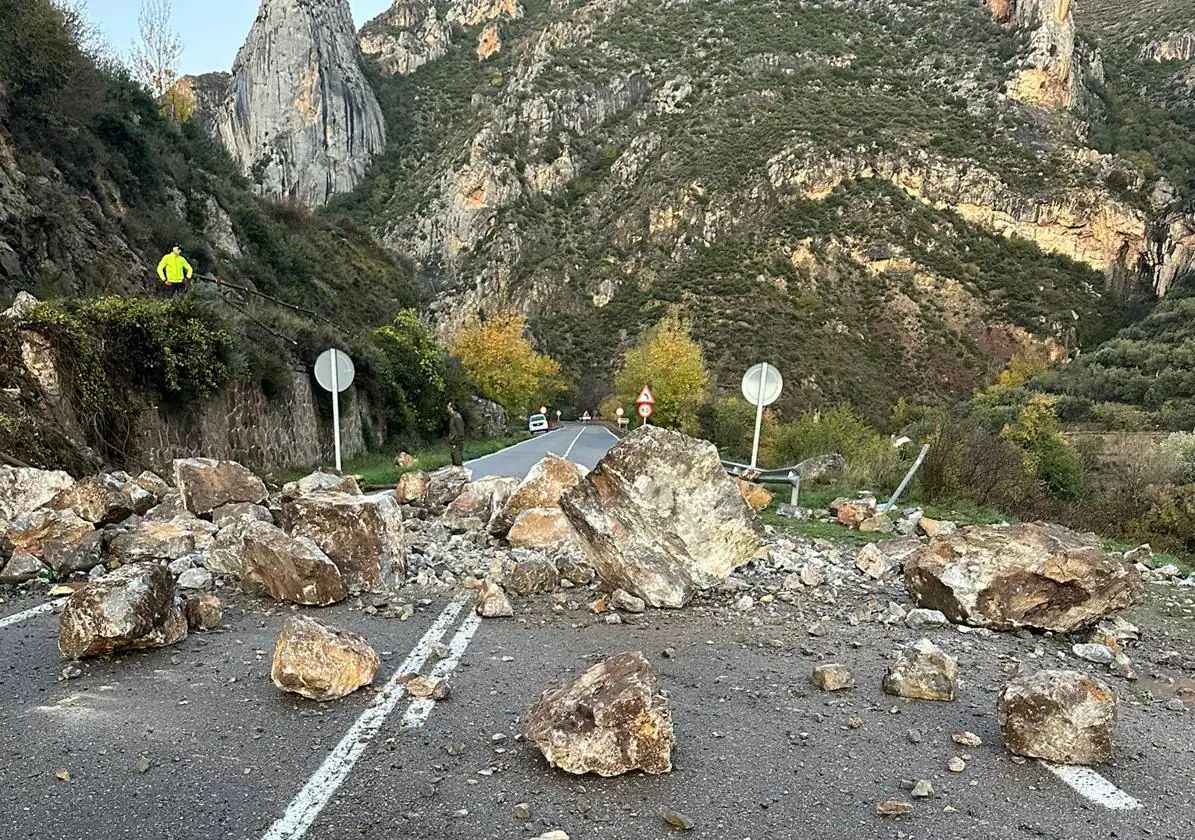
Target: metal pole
[(912, 471), (336, 405), (795, 479), (763, 376)]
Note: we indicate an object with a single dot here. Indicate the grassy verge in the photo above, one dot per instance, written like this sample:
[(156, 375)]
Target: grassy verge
[(377, 469)]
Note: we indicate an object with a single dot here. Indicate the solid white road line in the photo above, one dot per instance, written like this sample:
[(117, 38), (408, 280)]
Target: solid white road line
[(569, 451), (31, 612), (1091, 785), (606, 429), (323, 784), (515, 446), (417, 713)]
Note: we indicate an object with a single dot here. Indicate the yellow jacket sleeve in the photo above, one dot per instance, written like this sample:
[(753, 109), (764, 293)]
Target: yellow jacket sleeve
[(162, 268), (187, 267)]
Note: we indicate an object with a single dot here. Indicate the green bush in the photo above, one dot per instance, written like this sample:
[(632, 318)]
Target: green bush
[(1174, 460)]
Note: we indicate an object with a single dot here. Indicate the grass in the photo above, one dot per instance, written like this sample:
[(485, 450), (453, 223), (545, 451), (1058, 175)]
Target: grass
[(377, 469)]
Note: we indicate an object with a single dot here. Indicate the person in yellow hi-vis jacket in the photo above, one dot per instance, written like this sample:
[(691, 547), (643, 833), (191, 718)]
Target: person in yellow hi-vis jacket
[(175, 272)]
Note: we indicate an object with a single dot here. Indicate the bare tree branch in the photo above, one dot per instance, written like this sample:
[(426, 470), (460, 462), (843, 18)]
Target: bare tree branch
[(154, 59)]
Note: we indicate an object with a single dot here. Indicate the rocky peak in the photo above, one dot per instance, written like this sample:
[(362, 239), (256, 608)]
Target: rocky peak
[(1046, 77), (300, 116), (406, 36), (477, 12), (1177, 46)]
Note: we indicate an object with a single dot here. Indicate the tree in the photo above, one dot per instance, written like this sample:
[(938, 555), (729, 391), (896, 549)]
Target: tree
[(155, 57), (504, 365), (671, 362), (413, 375)]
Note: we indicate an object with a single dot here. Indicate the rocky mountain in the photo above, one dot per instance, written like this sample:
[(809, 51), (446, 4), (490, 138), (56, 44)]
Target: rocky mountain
[(298, 114)]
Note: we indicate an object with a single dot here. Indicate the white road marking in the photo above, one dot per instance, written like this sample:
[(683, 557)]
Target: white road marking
[(515, 446), (417, 713), (1091, 785), (606, 429), (569, 451), (31, 612), (324, 783)]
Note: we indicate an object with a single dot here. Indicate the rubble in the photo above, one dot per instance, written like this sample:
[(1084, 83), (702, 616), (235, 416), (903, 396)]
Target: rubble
[(478, 503), (288, 568), (923, 671), (363, 535), (660, 518), (610, 720), (206, 484), (321, 662), (131, 608), (1061, 716), (1037, 575)]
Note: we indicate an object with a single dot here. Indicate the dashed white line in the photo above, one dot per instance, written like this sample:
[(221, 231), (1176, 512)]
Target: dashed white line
[(324, 783), (31, 612), (417, 713), (569, 451), (1091, 785)]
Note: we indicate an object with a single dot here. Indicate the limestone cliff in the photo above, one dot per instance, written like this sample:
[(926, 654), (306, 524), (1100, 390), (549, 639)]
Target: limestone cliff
[(300, 116), (1046, 75), (406, 36)]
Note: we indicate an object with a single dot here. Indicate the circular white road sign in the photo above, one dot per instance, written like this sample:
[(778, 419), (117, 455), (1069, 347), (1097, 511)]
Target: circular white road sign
[(645, 410), (345, 372), (762, 385)]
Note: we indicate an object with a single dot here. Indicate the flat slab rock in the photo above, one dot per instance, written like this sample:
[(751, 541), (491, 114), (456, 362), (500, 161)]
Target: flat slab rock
[(321, 662), (610, 720), (206, 484), (1062, 716), (660, 518), (1037, 575), (133, 607)]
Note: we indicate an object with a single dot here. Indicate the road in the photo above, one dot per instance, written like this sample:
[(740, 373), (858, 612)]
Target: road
[(194, 742), (583, 443)]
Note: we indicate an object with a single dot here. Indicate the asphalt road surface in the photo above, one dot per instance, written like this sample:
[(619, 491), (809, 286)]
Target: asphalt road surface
[(582, 443)]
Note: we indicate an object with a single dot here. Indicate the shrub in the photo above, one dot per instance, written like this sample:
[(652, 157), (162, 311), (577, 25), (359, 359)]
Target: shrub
[(729, 423), (967, 461), (1174, 460), (1046, 453)]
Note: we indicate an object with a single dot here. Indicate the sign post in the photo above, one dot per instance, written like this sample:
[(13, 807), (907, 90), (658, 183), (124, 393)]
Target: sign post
[(762, 385), (334, 371), (622, 420), (646, 401)]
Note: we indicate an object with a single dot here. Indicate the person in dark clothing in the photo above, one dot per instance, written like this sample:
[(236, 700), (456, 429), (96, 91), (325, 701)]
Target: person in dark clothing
[(456, 435)]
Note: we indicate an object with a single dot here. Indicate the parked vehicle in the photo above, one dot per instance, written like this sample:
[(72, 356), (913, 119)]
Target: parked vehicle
[(537, 423)]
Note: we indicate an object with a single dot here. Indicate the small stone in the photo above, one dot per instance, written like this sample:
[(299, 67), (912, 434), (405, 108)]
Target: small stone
[(143, 764), (195, 579), (967, 739), (957, 765), (818, 629), (833, 677), (923, 789), (203, 612), (923, 672), (894, 808), (677, 820), (913, 736), (1099, 654), (922, 619), (1176, 705), (522, 811), (620, 599), (492, 602)]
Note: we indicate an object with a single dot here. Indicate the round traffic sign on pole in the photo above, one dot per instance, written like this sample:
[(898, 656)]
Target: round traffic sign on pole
[(762, 384), (334, 371), (619, 411), (645, 410)]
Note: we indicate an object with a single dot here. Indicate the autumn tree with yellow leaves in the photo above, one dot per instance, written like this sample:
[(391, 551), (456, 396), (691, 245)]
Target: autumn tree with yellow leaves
[(502, 363), (671, 362)]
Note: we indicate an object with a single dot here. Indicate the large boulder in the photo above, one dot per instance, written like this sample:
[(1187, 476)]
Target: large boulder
[(610, 720), (131, 608), (206, 484), (105, 499), (1033, 575), (321, 662), (66, 557), (45, 528), (1061, 716), (543, 528), (362, 534), (444, 485), (660, 518), (477, 504), (25, 489), (542, 488), (288, 568), (322, 482), (412, 488), (169, 540)]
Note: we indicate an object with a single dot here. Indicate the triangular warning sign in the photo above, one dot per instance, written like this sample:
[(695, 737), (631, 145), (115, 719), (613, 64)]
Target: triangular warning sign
[(646, 397)]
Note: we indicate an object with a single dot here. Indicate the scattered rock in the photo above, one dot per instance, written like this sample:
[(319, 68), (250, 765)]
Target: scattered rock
[(478, 503), (162, 540), (935, 527), (412, 488), (922, 619), (105, 499), (491, 601), (321, 662), (543, 528), (321, 482), (1034, 575), (755, 495), (363, 536), (677, 820), (153, 484), (70, 556), (575, 570), (1061, 716), (288, 568), (620, 599), (406, 461), (610, 720), (131, 608), (880, 523), (531, 577), (894, 808), (444, 485), (922, 672), (967, 739), (833, 677), (195, 579), (956, 765), (852, 512), (542, 488), (1099, 654), (21, 568), (206, 484), (923, 789), (660, 518), (203, 612)]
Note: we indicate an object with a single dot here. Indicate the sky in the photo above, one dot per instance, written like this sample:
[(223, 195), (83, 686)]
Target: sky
[(212, 30)]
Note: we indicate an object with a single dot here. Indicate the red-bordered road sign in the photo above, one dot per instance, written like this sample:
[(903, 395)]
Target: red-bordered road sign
[(646, 397), (645, 410)]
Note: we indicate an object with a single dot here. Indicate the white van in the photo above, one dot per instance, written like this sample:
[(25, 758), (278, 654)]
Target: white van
[(537, 423)]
